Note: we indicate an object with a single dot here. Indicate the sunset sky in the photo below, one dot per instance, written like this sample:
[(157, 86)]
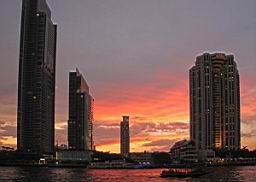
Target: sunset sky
[(135, 55)]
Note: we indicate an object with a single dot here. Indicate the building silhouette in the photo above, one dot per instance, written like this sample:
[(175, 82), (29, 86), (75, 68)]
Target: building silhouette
[(215, 102), (125, 137), (36, 87), (80, 134)]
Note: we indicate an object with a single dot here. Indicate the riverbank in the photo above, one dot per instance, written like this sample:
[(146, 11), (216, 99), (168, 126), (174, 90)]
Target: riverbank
[(239, 163), (44, 165), (109, 166)]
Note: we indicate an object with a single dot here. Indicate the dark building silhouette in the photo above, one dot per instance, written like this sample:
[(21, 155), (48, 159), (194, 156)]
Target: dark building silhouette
[(80, 135), (125, 137), (36, 89), (215, 102)]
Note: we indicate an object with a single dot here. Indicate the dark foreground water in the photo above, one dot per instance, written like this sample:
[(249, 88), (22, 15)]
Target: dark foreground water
[(225, 174)]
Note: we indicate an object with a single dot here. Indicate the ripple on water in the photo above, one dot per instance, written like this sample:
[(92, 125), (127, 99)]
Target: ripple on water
[(242, 173)]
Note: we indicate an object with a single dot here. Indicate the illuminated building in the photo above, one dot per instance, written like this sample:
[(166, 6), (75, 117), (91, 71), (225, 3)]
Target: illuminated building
[(78, 157), (36, 89), (80, 134), (215, 102), (144, 158), (184, 150), (124, 137)]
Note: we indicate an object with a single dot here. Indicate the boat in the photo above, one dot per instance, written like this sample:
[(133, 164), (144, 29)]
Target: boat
[(184, 171)]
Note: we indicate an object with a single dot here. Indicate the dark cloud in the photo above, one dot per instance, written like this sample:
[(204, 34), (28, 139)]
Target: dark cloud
[(173, 126), (139, 118), (6, 130), (103, 132), (161, 149), (148, 127), (111, 132), (2, 123), (138, 128), (249, 134), (160, 143), (249, 119)]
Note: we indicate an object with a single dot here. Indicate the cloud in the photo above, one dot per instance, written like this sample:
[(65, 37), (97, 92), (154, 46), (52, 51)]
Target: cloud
[(7, 134), (171, 126), (157, 136), (249, 134), (105, 132), (7, 129), (8, 141), (158, 128), (2, 123), (160, 143), (61, 133)]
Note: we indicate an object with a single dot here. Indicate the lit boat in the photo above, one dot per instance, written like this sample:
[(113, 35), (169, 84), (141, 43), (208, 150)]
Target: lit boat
[(183, 171)]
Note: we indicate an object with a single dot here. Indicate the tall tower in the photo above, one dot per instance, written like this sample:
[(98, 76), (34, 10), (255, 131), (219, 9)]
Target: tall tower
[(125, 136), (215, 102), (80, 120), (36, 87)]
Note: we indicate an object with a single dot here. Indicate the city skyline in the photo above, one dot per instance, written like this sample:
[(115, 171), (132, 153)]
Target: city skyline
[(137, 64)]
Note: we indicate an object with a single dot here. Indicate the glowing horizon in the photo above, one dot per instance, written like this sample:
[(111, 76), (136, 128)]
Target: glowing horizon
[(152, 128)]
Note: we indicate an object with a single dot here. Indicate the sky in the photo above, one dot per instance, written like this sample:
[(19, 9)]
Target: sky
[(135, 55)]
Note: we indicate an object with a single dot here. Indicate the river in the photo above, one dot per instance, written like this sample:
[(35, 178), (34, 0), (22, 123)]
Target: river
[(224, 174)]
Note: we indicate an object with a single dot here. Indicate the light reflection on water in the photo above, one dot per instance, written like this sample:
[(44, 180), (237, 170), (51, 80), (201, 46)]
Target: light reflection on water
[(222, 174)]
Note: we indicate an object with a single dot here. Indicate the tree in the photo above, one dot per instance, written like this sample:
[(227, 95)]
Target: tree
[(161, 158)]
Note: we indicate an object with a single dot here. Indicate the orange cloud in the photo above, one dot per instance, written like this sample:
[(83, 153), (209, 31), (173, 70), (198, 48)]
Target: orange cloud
[(144, 135), (157, 100)]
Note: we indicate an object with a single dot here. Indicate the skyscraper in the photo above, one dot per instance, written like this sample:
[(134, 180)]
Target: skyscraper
[(215, 102), (36, 89), (80, 120), (125, 136)]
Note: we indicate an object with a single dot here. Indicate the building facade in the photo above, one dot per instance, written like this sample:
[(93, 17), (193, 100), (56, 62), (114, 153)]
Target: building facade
[(125, 137), (70, 156), (215, 102), (184, 150), (36, 87), (144, 158), (80, 122)]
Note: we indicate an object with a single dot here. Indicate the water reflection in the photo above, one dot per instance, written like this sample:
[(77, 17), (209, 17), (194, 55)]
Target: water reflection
[(222, 174)]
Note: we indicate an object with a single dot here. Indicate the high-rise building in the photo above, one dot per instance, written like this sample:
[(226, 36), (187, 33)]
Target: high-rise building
[(80, 134), (125, 136), (36, 89), (215, 102)]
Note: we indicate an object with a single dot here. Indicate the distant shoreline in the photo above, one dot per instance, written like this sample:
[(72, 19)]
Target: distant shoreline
[(47, 165), (87, 167)]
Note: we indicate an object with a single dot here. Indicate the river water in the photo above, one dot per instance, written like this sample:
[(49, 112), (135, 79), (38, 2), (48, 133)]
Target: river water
[(224, 174)]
